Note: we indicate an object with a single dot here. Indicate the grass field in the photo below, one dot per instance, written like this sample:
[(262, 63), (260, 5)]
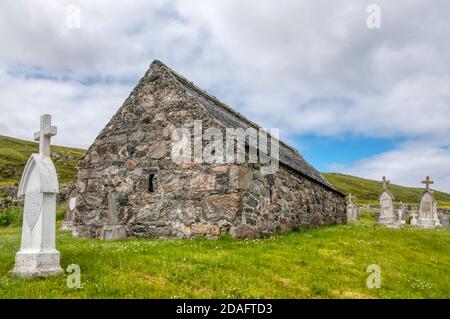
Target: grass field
[(321, 263), (14, 154), (367, 191)]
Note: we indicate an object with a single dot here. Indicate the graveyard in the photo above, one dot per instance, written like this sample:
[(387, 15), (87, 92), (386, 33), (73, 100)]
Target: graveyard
[(328, 262), (325, 262), (236, 152), (14, 154)]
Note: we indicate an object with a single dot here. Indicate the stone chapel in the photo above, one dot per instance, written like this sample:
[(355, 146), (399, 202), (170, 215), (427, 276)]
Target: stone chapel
[(128, 185)]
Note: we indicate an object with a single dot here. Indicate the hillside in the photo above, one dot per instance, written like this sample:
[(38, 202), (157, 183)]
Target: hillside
[(367, 191), (14, 154)]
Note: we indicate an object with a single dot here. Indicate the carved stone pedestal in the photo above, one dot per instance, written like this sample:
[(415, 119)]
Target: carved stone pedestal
[(114, 232), (37, 264)]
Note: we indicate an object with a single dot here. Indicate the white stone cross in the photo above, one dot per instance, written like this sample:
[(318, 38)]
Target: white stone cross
[(352, 199), (39, 184), (44, 134), (385, 182), (428, 182)]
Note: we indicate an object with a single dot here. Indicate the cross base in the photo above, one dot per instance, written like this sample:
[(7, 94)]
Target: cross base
[(426, 223), (66, 226), (114, 232), (386, 220), (37, 264)]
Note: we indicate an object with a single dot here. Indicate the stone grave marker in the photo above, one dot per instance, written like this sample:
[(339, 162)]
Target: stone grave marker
[(387, 211), (414, 219), (426, 207), (401, 214), (113, 230), (352, 209), (38, 255), (445, 221), (67, 225)]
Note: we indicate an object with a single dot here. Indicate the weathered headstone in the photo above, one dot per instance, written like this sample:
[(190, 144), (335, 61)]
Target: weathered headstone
[(113, 230), (352, 209), (445, 221), (67, 225), (387, 212), (401, 214), (15, 194), (38, 255), (437, 221), (426, 211), (414, 219)]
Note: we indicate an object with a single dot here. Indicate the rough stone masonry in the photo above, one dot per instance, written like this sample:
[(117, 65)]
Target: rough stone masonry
[(155, 197)]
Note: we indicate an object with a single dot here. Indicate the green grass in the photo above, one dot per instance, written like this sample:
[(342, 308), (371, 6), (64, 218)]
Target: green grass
[(12, 216), (321, 263), (14, 154), (367, 191)]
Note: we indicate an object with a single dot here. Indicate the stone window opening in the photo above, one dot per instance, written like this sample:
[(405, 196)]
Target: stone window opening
[(151, 183), (271, 182), (130, 150)]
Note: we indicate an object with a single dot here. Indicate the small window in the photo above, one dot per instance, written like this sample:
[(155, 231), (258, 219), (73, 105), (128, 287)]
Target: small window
[(151, 183), (130, 150), (271, 182), (271, 179)]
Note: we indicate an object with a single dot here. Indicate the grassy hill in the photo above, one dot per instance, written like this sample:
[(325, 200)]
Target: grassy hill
[(367, 191), (14, 154), (329, 262)]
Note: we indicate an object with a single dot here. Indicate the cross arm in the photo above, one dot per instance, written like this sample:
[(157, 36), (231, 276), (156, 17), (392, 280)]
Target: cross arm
[(48, 132)]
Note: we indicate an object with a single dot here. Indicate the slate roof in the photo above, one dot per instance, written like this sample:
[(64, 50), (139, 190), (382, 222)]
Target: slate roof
[(289, 156)]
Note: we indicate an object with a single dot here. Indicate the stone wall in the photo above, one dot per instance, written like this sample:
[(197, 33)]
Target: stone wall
[(287, 202), (190, 199)]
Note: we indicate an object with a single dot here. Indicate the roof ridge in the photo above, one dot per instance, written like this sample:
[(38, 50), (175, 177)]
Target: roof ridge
[(218, 102), (290, 153)]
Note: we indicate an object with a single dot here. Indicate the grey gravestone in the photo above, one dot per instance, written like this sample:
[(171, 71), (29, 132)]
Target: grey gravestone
[(352, 212), (352, 209), (426, 207), (387, 211), (67, 225), (413, 219), (113, 212), (445, 221), (112, 230)]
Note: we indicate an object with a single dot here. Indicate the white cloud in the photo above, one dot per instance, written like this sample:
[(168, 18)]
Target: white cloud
[(407, 165), (304, 66), (79, 111)]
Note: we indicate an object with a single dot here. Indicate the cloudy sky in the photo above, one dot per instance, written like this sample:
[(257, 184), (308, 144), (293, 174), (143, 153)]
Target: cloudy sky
[(368, 102)]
